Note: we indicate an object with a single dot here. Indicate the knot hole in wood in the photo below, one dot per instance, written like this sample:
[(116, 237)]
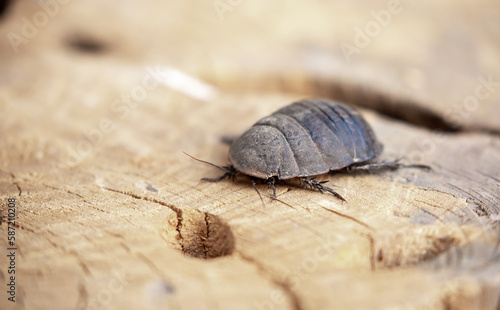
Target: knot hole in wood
[(199, 234)]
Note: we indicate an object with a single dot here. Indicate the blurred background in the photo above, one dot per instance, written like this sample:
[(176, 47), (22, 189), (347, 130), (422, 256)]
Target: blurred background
[(433, 55)]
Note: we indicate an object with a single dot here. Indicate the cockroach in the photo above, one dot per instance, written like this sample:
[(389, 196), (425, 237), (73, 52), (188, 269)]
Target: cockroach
[(303, 140)]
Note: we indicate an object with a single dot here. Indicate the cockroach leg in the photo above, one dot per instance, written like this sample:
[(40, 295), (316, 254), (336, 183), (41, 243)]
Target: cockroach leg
[(313, 184)]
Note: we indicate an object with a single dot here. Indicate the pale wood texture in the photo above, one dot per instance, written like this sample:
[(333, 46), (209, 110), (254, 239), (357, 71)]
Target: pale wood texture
[(128, 224)]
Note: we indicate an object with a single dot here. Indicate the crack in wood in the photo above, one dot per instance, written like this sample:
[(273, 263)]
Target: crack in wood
[(178, 228), (148, 263), (125, 247), (474, 196), (82, 264), (18, 188), (283, 285), (12, 178), (372, 257), (429, 212), (76, 194), (25, 228), (350, 218), (286, 204), (434, 206), (170, 206), (177, 211), (82, 197)]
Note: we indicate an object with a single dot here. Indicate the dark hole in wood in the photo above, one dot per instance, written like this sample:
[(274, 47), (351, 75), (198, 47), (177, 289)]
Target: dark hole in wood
[(86, 44)]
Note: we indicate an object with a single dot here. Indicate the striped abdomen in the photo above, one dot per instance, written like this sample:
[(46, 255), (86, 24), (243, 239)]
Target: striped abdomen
[(306, 138)]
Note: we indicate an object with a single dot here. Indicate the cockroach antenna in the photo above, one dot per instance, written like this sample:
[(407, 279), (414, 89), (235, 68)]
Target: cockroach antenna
[(230, 172)]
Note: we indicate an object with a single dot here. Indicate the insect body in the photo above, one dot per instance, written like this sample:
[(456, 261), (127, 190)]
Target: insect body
[(303, 140), (306, 138)]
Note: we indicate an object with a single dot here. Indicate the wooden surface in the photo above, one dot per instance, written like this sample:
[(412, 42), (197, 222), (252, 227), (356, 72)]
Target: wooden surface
[(112, 215)]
